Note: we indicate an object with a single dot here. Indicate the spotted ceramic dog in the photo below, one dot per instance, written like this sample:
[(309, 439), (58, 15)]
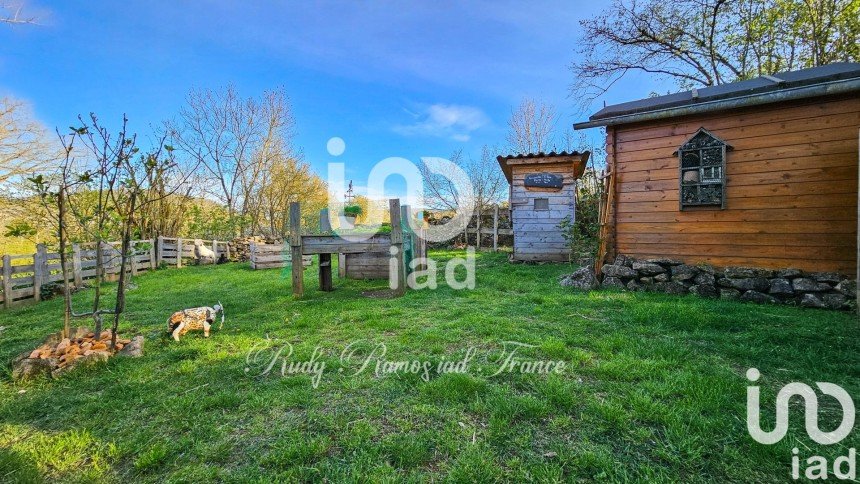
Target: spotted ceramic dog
[(187, 320)]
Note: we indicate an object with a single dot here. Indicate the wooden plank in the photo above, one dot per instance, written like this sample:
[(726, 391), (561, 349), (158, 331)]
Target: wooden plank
[(766, 227), (752, 215), (730, 250), (399, 284), (7, 281), (735, 192), (845, 200), (179, 253), (296, 247), (842, 267), (791, 240), (495, 228), (40, 261)]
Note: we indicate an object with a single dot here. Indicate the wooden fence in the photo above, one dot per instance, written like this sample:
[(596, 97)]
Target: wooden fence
[(24, 276), (270, 256)]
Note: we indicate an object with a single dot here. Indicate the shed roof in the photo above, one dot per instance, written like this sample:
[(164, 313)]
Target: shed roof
[(836, 78), (575, 158)]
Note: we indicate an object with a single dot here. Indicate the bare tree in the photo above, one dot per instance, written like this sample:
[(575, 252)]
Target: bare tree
[(24, 147), (488, 183), (710, 42), (531, 127)]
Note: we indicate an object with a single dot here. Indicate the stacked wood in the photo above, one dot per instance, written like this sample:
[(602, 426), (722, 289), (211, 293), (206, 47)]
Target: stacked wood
[(68, 350), (240, 247)]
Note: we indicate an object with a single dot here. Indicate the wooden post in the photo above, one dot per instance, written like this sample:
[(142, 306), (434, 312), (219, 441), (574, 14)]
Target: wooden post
[(7, 281), (40, 263), (160, 252), (408, 238), (496, 228), (397, 246), (153, 263), (178, 252), (478, 229), (77, 267), (132, 258), (325, 259), (227, 250), (252, 254), (341, 265), (215, 250), (296, 248)]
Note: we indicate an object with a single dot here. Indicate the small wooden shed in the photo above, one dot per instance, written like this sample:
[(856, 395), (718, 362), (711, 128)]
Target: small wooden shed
[(542, 194), (757, 173)]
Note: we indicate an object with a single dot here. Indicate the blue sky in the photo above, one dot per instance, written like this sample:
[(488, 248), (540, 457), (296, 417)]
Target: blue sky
[(406, 79)]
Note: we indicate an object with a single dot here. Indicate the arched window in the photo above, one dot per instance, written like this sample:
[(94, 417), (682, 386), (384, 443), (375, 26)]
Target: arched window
[(702, 161)]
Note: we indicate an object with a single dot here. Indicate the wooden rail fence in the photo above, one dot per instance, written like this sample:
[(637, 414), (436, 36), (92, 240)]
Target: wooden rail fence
[(23, 276)]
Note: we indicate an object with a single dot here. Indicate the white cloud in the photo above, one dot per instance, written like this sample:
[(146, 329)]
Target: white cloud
[(444, 121)]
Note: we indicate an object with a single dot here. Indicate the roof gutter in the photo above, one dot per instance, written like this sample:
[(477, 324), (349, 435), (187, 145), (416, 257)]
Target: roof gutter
[(831, 88)]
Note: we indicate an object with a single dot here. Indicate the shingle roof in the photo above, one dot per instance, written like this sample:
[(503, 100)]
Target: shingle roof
[(578, 159), (538, 155), (760, 85)]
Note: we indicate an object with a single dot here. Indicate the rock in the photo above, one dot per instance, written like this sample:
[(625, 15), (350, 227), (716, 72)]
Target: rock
[(705, 290), (724, 282), (671, 288), (623, 260), (746, 272), (612, 282), (665, 262), (30, 368), (811, 301), (757, 284), (582, 278), (683, 272), (805, 284), (661, 277), (646, 280), (728, 293), (831, 277), (134, 348), (834, 301), (706, 268), (780, 287), (706, 278), (758, 297), (789, 273), (610, 270), (847, 288), (633, 285), (648, 268)]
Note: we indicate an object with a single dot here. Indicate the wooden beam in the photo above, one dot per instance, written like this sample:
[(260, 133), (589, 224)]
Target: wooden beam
[(325, 259), (7, 281), (296, 248), (398, 283)]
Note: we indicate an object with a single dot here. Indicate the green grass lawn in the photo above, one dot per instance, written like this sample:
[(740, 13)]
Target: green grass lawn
[(654, 388)]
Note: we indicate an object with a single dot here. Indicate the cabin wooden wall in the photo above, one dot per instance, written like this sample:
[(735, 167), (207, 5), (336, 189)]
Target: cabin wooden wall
[(791, 188), (536, 233)]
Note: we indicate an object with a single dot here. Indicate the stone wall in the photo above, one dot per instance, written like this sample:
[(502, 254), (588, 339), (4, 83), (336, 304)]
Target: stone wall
[(787, 286)]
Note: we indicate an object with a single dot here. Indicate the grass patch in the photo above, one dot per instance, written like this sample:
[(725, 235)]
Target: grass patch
[(654, 387)]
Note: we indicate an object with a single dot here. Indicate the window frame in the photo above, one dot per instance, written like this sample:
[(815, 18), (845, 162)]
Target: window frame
[(700, 169), (535, 204)]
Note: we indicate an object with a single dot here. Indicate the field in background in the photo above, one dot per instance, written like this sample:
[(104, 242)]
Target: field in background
[(655, 388)]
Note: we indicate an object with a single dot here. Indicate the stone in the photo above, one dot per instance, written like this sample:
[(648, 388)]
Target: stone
[(705, 290), (746, 272), (623, 260), (811, 301), (661, 277), (789, 273), (705, 278), (672, 287), (706, 268), (610, 270), (780, 287), (665, 262), (724, 282), (648, 268), (758, 297), (582, 278), (834, 301), (757, 284), (805, 284), (633, 286), (831, 277), (30, 368), (684, 272), (728, 293), (612, 282), (847, 288), (646, 280), (134, 348)]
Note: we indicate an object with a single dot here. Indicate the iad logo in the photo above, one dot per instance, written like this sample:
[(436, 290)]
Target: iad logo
[(817, 465)]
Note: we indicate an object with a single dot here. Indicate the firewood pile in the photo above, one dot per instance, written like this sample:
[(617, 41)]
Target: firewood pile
[(70, 349), (240, 247)]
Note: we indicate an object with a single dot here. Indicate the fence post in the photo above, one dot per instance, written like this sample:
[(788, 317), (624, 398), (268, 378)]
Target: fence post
[(496, 228), (215, 250), (40, 259), (160, 252), (325, 259), (153, 264), (76, 266), (227, 250), (132, 257), (397, 281), (478, 229), (7, 281), (178, 252), (252, 254), (298, 266)]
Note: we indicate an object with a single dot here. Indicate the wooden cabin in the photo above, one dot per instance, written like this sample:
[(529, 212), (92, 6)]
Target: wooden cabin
[(542, 194), (758, 173)]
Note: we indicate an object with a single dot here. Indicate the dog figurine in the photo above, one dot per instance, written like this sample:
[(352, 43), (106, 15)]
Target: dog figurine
[(186, 320)]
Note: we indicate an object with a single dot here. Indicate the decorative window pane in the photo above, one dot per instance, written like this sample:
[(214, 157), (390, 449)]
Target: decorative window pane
[(702, 168), (541, 204)]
